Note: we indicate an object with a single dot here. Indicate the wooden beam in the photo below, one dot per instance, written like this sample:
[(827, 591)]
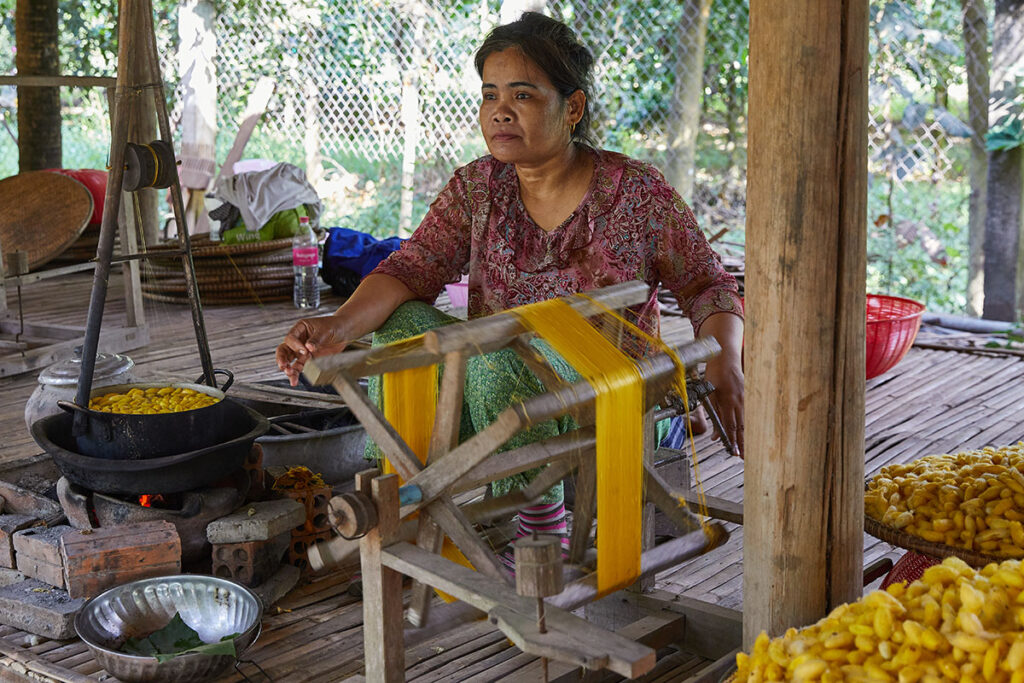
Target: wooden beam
[(712, 631), (383, 642), (805, 302), (621, 655)]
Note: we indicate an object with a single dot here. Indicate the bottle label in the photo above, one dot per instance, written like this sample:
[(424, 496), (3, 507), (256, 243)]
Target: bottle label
[(305, 256)]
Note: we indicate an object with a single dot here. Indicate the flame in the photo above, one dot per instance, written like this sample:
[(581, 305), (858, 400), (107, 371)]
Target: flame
[(147, 500)]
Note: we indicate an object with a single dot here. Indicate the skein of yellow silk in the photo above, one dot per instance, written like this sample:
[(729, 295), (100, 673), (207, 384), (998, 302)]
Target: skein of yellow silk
[(410, 404), (619, 410)]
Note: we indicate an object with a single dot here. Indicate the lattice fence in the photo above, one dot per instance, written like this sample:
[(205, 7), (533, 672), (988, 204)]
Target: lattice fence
[(374, 95)]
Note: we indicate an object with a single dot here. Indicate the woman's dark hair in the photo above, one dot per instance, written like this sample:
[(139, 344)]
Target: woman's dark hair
[(553, 47)]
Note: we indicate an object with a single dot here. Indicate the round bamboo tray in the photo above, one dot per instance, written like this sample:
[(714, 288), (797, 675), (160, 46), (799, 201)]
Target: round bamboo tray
[(939, 551)]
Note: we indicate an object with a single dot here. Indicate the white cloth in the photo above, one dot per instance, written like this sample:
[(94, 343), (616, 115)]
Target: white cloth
[(260, 194)]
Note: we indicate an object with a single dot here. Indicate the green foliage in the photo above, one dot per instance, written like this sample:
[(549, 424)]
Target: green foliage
[(175, 639), (903, 266), (1007, 135)]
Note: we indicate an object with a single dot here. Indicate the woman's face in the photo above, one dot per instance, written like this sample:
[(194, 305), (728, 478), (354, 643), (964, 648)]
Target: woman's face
[(523, 118)]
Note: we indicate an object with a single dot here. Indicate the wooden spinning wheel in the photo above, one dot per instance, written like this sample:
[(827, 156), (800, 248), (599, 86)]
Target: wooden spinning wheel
[(381, 508)]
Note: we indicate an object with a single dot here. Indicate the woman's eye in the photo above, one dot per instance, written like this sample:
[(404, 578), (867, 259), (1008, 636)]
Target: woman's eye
[(488, 96), (522, 96)]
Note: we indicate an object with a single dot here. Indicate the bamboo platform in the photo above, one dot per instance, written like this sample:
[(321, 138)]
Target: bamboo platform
[(935, 400)]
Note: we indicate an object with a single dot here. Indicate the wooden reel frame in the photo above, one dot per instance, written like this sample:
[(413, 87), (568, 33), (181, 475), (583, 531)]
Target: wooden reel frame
[(452, 468)]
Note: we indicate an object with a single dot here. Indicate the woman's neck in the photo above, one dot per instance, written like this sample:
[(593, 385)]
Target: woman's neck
[(554, 176)]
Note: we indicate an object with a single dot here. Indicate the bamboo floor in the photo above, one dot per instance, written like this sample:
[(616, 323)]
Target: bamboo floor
[(935, 400)]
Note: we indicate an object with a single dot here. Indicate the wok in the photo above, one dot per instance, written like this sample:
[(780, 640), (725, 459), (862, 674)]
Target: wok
[(182, 471)]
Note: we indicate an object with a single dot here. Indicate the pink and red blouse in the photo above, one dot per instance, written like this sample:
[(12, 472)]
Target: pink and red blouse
[(630, 225)]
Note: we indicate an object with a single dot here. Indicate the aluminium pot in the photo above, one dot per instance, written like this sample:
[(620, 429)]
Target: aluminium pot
[(138, 437)]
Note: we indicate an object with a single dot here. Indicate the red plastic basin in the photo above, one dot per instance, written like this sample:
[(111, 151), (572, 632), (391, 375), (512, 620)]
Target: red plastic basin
[(892, 326)]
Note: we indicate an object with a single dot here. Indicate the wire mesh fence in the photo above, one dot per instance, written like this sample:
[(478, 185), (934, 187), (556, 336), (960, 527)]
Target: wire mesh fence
[(378, 100)]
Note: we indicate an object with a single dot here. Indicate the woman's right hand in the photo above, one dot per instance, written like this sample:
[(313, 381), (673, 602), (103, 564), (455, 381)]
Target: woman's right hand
[(309, 338)]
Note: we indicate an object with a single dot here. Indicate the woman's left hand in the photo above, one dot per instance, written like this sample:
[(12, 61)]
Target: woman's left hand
[(726, 374)]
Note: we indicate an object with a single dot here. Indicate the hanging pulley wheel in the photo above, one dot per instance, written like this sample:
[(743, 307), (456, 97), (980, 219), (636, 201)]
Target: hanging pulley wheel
[(151, 165)]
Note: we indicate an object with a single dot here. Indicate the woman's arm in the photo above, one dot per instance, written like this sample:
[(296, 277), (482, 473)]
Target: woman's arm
[(725, 372), (374, 300)]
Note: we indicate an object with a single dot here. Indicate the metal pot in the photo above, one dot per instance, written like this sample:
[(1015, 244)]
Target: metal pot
[(136, 437), (168, 474), (59, 382)]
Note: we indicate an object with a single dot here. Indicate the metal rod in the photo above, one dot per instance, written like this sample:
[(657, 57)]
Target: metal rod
[(111, 207), (717, 421)]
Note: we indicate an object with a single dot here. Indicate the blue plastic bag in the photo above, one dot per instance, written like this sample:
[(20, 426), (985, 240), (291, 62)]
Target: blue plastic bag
[(350, 255)]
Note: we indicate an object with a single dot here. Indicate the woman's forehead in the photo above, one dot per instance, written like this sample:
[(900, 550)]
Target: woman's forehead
[(513, 66)]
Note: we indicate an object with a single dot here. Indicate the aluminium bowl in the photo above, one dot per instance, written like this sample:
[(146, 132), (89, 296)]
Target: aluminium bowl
[(214, 607)]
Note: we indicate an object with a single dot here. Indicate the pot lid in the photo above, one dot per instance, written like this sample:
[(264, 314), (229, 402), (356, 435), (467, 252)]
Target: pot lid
[(67, 372)]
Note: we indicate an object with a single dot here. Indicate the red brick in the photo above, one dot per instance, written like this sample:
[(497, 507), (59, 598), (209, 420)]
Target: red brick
[(97, 560), (37, 553), (249, 563)]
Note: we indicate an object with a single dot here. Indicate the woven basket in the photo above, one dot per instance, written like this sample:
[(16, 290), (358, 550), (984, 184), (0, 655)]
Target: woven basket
[(940, 551), (256, 272), (223, 299), (202, 246)]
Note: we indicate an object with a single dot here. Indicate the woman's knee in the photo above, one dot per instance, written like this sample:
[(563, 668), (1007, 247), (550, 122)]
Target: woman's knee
[(408, 320)]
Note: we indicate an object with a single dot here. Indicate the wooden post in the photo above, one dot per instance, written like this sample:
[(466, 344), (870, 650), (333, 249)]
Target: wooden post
[(383, 642), (806, 218)]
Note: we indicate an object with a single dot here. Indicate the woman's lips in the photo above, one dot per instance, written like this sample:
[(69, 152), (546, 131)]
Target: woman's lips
[(503, 137)]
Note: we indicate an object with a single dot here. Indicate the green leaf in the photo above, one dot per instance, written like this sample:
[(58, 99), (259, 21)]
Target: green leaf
[(1005, 137), (177, 638)]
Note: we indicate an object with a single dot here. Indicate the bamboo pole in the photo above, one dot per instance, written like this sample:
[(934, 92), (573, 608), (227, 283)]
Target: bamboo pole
[(806, 218)]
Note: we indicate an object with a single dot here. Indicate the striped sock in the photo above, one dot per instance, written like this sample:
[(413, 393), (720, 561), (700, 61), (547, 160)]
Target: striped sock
[(544, 519)]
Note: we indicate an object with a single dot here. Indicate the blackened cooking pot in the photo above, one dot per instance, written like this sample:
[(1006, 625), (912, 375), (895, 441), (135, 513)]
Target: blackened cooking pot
[(134, 437), (182, 471)]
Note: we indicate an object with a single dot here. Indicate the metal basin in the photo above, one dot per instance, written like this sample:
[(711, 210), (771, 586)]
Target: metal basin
[(212, 606), (330, 442)]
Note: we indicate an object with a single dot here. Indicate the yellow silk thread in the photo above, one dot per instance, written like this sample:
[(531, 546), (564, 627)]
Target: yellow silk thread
[(679, 384), (410, 405), (619, 410)]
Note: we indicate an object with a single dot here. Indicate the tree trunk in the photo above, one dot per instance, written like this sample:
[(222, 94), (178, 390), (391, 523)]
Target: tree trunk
[(35, 28), (975, 27), (806, 259), (684, 117), (1004, 258)]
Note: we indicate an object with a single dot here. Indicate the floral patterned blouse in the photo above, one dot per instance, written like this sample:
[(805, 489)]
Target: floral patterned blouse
[(630, 225)]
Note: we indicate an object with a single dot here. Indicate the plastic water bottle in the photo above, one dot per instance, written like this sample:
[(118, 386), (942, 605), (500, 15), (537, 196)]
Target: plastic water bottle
[(305, 264)]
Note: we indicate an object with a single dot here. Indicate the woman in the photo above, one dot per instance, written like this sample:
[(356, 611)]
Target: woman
[(544, 215)]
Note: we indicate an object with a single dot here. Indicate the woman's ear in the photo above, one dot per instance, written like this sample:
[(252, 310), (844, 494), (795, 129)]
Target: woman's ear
[(576, 103)]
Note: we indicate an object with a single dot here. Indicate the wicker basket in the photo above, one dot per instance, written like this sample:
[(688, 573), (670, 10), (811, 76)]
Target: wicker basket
[(256, 272), (940, 551)]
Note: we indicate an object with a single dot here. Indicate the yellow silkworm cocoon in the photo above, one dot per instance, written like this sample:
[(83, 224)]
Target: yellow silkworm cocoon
[(152, 401), (972, 499), (955, 624)]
